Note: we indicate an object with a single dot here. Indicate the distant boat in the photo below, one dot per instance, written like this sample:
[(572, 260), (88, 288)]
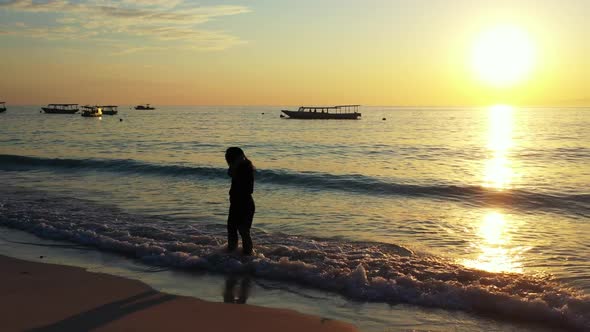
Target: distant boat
[(340, 112), (2, 107), (109, 109), (146, 107), (60, 108), (91, 111)]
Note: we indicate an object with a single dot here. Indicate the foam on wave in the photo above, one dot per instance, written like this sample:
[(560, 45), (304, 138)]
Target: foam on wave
[(365, 271)]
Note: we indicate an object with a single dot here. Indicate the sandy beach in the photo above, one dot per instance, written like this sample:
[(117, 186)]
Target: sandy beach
[(49, 297)]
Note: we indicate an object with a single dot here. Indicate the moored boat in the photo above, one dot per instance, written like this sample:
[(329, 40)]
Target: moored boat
[(2, 107), (339, 112), (91, 111), (60, 108), (109, 109), (144, 107)]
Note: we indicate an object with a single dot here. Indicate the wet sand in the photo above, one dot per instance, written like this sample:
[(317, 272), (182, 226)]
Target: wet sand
[(49, 297)]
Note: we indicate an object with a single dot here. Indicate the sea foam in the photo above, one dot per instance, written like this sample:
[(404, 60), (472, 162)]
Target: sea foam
[(363, 271)]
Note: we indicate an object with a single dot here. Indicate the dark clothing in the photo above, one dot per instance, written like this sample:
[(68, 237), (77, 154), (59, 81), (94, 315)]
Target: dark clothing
[(242, 180), (242, 208), (240, 220)]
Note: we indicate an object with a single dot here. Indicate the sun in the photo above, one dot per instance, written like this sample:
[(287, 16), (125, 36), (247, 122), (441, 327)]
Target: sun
[(503, 56)]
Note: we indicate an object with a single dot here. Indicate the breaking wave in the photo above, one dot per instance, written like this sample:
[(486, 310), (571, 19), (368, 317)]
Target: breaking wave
[(365, 271)]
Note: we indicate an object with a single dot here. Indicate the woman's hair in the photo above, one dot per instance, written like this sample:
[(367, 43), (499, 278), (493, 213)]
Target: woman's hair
[(233, 153)]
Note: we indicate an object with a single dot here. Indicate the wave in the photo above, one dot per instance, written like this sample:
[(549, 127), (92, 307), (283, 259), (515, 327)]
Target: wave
[(364, 271), (578, 204)]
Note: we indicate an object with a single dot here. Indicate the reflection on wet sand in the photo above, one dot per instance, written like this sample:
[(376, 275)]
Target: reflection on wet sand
[(237, 289)]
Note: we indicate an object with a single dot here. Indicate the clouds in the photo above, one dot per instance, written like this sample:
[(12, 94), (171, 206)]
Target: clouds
[(145, 24), (176, 15), (50, 33), (44, 6)]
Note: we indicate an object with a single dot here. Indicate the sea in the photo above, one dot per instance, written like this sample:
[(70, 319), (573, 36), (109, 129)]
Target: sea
[(409, 219)]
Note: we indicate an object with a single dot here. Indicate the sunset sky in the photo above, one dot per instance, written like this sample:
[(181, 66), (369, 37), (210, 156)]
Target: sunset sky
[(279, 52)]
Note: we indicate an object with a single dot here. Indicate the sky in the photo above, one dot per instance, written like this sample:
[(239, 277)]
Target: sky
[(281, 52)]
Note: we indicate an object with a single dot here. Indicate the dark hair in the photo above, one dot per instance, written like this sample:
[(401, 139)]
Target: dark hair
[(232, 153)]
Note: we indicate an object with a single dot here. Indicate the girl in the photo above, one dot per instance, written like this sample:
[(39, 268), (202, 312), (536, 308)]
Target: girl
[(241, 209)]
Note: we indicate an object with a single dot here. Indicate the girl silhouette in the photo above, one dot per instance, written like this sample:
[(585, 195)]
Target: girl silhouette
[(241, 209)]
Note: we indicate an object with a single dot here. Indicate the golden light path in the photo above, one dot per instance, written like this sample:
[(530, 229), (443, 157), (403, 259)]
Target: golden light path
[(493, 235), (492, 242), (498, 172)]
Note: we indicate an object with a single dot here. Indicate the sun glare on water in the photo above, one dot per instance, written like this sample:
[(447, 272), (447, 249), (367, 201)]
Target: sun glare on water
[(493, 241), (503, 56), (499, 172)]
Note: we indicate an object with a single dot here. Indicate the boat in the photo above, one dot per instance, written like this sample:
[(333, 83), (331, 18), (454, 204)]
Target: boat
[(109, 109), (91, 111), (339, 112), (2, 107), (146, 107), (60, 108)]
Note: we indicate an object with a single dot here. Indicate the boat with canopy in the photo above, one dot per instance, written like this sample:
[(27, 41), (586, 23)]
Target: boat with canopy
[(60, 108), (109, 109), (91, 111), (339, 112), (146, 107)]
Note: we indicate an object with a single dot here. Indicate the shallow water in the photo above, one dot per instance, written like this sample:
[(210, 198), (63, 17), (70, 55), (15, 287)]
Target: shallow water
[(366, 316), (439, 208)]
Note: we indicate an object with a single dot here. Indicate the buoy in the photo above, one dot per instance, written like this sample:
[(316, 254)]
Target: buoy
[(384, 119), (262, 113), (121, 120)]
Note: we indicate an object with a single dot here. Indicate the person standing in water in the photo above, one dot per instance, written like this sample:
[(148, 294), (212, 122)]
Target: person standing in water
[(241, 208)]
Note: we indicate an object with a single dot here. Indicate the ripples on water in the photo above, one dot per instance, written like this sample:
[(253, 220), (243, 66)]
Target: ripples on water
[(432, 195)]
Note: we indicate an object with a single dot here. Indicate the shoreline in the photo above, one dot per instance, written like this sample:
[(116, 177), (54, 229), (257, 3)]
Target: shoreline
[(50, 297)]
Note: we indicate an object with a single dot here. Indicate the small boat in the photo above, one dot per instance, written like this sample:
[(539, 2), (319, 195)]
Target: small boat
[(340, 112), (146, 107), (60, 108), (91, 111), (2, 107), (109, 109)]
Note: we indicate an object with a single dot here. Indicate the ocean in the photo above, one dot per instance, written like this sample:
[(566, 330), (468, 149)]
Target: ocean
[(445, 219)]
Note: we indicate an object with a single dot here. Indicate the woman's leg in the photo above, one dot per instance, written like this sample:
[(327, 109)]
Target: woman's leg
[(232, 229), (244, 229), (246, 239)]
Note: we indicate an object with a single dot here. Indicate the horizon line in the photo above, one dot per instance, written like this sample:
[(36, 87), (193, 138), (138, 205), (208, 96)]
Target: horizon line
[(368, 105)]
